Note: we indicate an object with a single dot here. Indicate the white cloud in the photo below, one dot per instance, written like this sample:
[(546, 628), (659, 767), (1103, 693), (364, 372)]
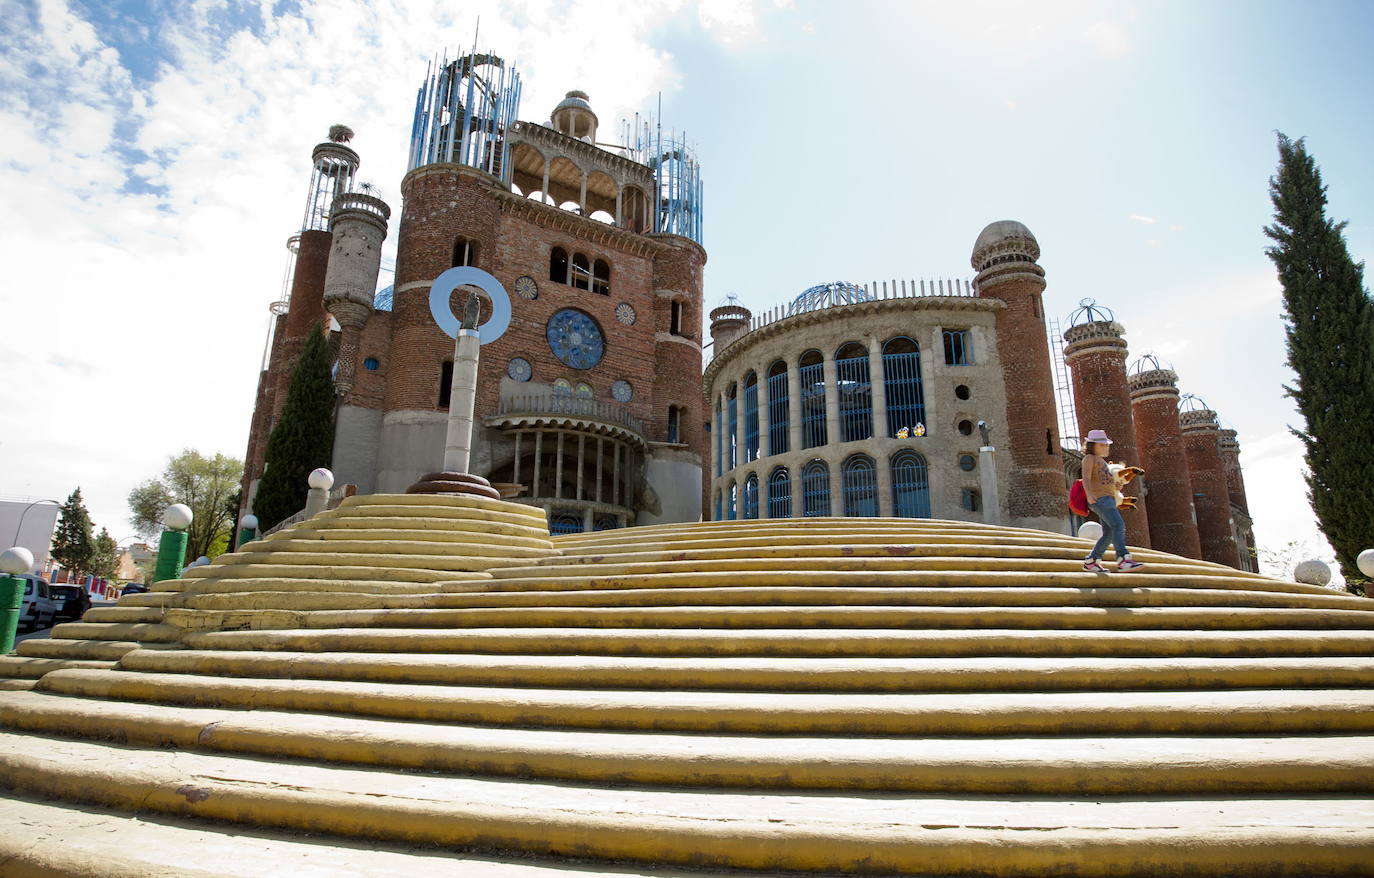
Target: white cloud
[(1148, 220), (1108, 38)]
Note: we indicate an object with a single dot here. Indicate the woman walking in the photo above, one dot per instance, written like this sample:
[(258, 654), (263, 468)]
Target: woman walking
[(1101, 490)]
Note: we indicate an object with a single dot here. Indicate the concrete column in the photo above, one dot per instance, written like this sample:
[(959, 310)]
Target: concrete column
[(619, 220), (582, 198), (884, 486), (538, 461), (544, 193), (740, 453), (794, 424), (794, 484), (832, 399), (581, 454), (598, 469), (558, 467), (836, 490), (515, 470), (987, 481), (717, 437), (879, 392), (458, 441), (587, 520)]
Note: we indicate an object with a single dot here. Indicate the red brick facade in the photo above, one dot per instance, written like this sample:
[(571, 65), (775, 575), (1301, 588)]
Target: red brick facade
[(1154, 404), (1211, 495)]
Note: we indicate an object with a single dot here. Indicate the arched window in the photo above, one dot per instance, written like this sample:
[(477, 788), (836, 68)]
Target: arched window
[(606, 522), (906, 400), (751, 496), (562, 387), (816, 489), (583, 391), (732, 427), (779, 493), (751, 417), (855, 392), (958, 347), (464, 252), (674, 423), (910, 485), (565, 523), (558, 265), (731, 501), (720, 443), (601, 277), (581, 272), (778, 413), (445, 383), (812, 373), (859, 481)]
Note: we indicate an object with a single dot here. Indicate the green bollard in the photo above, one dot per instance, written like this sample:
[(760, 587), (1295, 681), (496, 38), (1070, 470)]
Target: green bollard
[(12, 561), (248, 529), (171, 555)]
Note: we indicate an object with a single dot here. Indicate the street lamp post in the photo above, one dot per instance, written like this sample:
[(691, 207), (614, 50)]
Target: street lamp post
[(171, 548), (20, 527), (12, 562)]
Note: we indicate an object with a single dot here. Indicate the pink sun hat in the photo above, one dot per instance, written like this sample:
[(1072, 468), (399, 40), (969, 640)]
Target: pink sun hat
[(1099, 436)]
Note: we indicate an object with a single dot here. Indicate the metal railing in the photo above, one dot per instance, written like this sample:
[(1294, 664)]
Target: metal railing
[(560, 404)]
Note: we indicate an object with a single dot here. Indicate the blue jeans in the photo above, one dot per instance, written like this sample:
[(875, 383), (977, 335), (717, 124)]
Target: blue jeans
[(1113, 527)]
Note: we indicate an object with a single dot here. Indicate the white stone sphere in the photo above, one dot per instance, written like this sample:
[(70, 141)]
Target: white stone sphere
[(1090, 530), (177, 517), (249, 521), (321, 478), (16, 560), (1312, 572), (201, 561), (1365, 561)]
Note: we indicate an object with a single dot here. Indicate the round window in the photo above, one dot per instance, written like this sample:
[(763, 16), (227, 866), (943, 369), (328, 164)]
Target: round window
[(966, 428), (371, 364), (575, 338), (519, 369), (967, 462), (622, 391), (962, 391)]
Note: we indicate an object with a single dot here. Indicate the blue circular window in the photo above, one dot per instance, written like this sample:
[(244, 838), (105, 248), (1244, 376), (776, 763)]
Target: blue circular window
[(575, 338), (371, 364)]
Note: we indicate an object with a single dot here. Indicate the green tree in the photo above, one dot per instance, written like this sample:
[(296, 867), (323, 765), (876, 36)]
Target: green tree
[(1330, 326), (303, 437), (203, 483), (72, 545), (104, 560)]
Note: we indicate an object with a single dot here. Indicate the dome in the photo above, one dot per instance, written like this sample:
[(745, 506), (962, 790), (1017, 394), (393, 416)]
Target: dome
[(576, 99), (828, 295), (1001, 239), (574, 116)]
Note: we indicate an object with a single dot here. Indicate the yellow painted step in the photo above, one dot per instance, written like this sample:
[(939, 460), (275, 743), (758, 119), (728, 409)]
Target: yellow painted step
[(990, 674), (97, 650), (1060, 765), (1284, 837), (28, 668), (800, 642), (327, 572), (144, 632), (481, 534), (123, 614), (491, 556), (504, 547), (277, 584), (417, 519), (816, 618), (1241, 712)]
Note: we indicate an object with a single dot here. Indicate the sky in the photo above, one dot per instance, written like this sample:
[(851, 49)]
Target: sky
[(157, 155)]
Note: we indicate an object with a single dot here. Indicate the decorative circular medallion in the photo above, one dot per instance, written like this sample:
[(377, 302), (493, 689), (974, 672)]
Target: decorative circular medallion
[(526, 288), (519, 369), (625, 313), (622, 391), (575, 338)]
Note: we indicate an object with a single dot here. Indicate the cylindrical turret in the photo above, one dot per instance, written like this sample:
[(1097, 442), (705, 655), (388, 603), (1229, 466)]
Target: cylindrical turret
[(358, 226), (1211, 497), (1229, 445), (574, 117), (728, 322), (1096, 354), (1154, 408), (1005, 257)]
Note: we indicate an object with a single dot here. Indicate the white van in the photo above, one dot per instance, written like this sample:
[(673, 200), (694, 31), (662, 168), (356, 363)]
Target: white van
[(39, 607)]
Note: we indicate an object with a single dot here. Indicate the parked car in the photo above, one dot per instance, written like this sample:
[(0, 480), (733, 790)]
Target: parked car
[(132, 588), (72, 601), (39, 607)]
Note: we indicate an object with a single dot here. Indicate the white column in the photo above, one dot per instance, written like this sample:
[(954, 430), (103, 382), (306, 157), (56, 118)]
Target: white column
[(558, 467), (544, 194), (582, 198), (739, 424), (462, 393), (581, 453), (879, 393), (794, 408), (619, 220), (832, 399)]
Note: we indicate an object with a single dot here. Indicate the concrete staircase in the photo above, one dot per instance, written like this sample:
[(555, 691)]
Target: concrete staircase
[(825, 695)]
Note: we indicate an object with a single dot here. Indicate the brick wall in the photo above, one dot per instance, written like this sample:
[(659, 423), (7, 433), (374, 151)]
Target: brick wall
[(1211, 496), (1154, 405)]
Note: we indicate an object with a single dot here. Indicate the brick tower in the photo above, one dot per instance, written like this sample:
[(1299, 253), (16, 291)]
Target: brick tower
[(334, 165), (1154, 405), (1229, 446), (1004, 256), (1096, 355), (1211, 495), (358, 226)]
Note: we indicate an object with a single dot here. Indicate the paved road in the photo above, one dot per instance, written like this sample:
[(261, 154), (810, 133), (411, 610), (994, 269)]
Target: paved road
[(46, 632)]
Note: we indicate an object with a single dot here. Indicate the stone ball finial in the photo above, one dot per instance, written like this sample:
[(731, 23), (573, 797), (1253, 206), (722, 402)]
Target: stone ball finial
[(1365, 561), (321, 478), (340, 133), (1090, 530), (249, 521), (1312, 572), (178, 516), (16, 560), (1004, 241)]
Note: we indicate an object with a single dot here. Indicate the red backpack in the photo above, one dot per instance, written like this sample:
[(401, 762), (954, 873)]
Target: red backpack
[(1078, 499)]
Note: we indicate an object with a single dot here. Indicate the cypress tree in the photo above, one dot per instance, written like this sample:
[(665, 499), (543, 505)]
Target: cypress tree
[(1330, 327), (303, 437), (72, 543)]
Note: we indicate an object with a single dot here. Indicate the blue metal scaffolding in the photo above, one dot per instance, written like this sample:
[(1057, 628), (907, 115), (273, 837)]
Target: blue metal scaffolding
[(462, 114)]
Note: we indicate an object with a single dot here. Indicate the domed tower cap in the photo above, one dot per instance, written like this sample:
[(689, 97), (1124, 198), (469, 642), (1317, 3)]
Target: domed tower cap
[(1004, 241), (574, 117)]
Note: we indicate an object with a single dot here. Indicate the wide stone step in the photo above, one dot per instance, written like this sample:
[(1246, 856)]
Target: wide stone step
[(436, 504), (833, 617), (275, 584), (936, 574), (1142, 765), (799, 642), (375, 557), (992, 674), (262, 596), (326, 573), (419, 521), (97, 650), (496, 547), (31, 668), (144, 632), (1278, 837), (489, 534), (123, 614), (149, 599), (1243, 712)]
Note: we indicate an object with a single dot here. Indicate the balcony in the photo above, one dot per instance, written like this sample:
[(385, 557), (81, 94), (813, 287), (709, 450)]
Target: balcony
[(537, 411)]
